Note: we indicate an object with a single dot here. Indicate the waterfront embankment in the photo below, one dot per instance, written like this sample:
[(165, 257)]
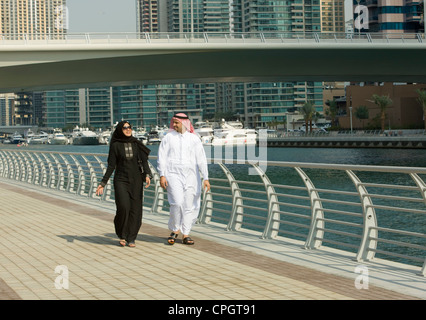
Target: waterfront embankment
[(390, 139)]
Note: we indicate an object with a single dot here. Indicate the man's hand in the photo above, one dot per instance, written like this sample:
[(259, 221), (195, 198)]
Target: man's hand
[(206, 185), (163, 182)]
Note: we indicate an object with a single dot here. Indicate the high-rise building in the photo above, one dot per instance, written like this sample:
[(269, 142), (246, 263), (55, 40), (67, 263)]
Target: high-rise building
[(396, 16), (270, 102), (7, 102), (333, 16), (147, 15), (33, 18)]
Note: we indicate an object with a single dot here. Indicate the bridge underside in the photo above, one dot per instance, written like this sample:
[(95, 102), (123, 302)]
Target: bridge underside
[(55, 69)]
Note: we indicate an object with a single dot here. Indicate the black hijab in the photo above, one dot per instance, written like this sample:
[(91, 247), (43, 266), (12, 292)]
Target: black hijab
[(119, 136)]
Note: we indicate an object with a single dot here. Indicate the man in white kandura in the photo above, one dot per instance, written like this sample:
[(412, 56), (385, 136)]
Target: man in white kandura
[(181, 157)]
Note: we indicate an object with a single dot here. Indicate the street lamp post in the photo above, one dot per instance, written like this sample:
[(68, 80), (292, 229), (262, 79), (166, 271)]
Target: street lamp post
[(350, 115)]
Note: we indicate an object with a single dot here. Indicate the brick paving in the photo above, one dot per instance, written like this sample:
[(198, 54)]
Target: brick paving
[(40, 232)]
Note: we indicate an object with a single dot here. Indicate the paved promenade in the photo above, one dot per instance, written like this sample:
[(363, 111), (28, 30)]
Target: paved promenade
[(42, 229)]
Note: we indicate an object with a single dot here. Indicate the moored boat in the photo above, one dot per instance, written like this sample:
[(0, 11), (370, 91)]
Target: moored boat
[(84, 136)]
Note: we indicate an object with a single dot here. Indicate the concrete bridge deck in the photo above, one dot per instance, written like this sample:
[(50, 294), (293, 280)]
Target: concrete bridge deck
[(42, 229)]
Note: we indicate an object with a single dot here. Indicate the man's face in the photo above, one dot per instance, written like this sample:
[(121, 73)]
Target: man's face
[(177, 125)]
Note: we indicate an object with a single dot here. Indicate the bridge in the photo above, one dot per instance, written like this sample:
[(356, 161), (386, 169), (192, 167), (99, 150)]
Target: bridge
[(292, 238), (40, 62), (20, 129)]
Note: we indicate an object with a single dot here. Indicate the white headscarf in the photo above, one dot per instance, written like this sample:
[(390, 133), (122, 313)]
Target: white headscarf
[(182, 118)]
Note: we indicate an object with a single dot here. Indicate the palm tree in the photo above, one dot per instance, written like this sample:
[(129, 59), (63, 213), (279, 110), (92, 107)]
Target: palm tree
[(383, 102), (422, 100), (332, 110), (362, 113), (308, 111)]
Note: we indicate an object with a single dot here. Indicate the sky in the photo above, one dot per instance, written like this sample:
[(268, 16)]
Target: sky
[(101, 16), (110, 15)]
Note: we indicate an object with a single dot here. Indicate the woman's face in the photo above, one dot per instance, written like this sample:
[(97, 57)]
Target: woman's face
[(127, 129)]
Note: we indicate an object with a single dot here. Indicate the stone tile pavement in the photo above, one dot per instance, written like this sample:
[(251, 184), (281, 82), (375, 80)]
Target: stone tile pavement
[(41, 230)]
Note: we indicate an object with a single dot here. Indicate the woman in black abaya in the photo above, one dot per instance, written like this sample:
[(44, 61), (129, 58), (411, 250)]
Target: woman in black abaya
[(129, 158)]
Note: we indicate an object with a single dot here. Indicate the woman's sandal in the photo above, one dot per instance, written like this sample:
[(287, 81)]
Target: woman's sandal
[(132, 244), (172, 238), (122, 242), (187, 240)]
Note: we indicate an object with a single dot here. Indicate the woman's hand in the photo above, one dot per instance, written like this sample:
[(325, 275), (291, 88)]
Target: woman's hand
[(148, 182), (99, 190)]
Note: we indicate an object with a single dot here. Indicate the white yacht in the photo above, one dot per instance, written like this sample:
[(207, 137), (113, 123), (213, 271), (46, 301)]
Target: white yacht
[(58, 138), (205, 131), (83, 136), (140, 134), (104, 137), (16, 138), (233, 133), (156, 134), (40, 138)]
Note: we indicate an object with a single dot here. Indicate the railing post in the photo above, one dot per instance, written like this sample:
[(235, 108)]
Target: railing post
[(422, 186), (12, 171), (81, 178), (18, 166), (236, 219), (272, 222), (1, 164), (43, 175), (90, 168), (61, 177), (206, 208), (29, 169), (420, 183), (370, 233), (50, 181), (316, 229), (70, 175), (36, 171), (158, 202)]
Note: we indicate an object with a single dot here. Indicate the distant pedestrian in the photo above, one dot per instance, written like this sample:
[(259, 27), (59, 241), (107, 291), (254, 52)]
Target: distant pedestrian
[(181, 157), (129, 158)]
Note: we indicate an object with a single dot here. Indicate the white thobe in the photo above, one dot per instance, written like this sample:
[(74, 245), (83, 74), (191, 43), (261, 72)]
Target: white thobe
[(181, 158)]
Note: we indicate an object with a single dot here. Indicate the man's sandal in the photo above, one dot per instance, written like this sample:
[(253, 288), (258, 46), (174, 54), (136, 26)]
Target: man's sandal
[(172, 238), (187, 240)]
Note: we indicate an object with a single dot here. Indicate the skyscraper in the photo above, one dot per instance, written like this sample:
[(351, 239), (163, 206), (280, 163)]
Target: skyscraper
[(398, 16), (333, 16), (33, 18), (147, 15)]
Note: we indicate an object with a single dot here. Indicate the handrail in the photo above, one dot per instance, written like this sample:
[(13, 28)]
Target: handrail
[(210, 37), (369, 211)]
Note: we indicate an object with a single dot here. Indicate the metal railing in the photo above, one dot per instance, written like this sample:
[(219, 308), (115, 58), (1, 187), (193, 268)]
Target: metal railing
[(371, 211), (211, 37)]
